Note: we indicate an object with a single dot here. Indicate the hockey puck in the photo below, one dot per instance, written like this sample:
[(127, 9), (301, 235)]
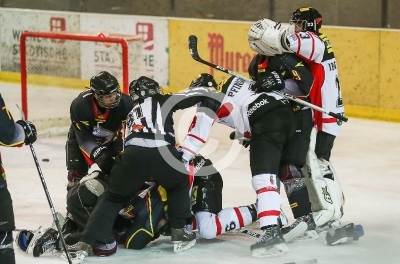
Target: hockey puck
[(46, 160)]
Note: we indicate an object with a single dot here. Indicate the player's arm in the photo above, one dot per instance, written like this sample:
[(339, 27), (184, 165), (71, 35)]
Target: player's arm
[(307, 45), (14, 134), (296, 71), (82, 126), (187, 98), (200, 127)]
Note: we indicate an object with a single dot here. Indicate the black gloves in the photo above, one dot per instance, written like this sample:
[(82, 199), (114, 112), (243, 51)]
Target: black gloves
[(30, 131), (269, 82), (245, 141), (103, 157)]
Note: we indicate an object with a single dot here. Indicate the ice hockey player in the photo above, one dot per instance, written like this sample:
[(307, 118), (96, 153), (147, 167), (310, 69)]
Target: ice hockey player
[(270, 121), (298, 81), (149, 150), (97, 117), (305, 40), (136, 225), (145, 217), (12, 134)]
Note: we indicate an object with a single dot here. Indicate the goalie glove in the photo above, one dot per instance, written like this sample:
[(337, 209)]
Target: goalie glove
[(269, 82), (268, 38), (244, 139)]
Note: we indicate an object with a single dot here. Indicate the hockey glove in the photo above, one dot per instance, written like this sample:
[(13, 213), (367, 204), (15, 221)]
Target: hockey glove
[(244, 139), (103, 157), (269, 82), (30, 131)]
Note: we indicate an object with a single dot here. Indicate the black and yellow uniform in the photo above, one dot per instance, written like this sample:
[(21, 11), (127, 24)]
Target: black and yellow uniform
[(93, 126), (11, 135)]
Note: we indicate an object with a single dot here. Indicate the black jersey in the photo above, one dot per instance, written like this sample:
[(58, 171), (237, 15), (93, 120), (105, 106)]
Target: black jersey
[(151, 117), (298, 79), (94, 126), (11, 135)]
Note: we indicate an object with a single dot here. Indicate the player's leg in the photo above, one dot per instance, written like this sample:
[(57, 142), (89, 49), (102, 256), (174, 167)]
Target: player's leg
[(147, 212), (76, 163), (291, 175), (269, 136), (7, 219)]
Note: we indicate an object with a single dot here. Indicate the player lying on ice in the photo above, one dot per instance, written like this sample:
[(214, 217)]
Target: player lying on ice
[(144, 218)]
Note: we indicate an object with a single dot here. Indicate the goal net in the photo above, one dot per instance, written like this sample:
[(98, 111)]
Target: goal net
[(57, 66)]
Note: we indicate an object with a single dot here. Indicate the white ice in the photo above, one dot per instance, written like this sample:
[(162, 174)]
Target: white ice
[(366, 158)]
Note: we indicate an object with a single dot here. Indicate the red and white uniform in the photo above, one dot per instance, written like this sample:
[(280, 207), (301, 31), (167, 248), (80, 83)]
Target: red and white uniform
[(318, 54), (211, 225)]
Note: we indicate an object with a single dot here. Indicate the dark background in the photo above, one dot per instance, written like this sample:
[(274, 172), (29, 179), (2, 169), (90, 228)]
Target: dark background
[(352, 13)]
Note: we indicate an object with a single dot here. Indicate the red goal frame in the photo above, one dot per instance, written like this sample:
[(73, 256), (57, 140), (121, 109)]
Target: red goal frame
[(68, 36)]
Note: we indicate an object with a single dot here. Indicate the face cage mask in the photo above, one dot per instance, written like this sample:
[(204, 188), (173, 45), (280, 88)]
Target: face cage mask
[(99, 99), (305, 24)]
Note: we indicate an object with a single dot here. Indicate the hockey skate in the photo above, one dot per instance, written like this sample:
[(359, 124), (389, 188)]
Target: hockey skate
[(36, 235), (302, 229), (344, 235), (271, 243), (182, 239), (78, 252), (45, 243)]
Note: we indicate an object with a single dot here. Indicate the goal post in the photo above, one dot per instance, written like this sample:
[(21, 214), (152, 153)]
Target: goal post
[(56, 66)]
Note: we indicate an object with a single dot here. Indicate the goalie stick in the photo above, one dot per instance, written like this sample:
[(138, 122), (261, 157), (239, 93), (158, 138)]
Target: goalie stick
[(53, 212), (195, 55)]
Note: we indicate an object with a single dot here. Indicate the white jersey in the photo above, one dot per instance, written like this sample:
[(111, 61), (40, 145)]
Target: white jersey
[(318, 54), (233, 105)]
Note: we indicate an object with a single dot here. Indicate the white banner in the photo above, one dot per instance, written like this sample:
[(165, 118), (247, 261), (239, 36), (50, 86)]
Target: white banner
[(154, 32), (63, 56)]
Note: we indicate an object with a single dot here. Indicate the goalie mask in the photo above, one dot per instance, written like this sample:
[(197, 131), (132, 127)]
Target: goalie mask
[(308, 18), (106, 90), (144, 87), (205, 80)]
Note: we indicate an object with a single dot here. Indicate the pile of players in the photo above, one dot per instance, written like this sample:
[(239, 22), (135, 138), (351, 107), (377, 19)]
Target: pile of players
[(126, 202)]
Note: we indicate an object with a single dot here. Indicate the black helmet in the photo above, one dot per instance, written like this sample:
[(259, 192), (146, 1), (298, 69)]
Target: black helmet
[(204, 79), (143, 88), (105, 84), (258, 66), (308, 17)]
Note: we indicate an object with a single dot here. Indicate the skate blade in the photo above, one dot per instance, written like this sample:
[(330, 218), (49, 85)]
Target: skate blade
[(276, 250), (76, 257), (295, 232), (308, 235), (343, 240), (182, 246)]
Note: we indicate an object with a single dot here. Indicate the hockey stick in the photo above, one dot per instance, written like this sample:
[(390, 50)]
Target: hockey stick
[(195, 55), (53, 212), (250, 233)]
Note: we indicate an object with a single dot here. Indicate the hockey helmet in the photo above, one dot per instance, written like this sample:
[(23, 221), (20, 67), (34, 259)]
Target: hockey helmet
[(205, 80), (309, 19), (144, 87), (105, 86)]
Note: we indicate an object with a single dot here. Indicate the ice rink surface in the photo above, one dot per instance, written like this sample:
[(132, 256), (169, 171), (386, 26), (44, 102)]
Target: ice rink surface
[(366, 157)]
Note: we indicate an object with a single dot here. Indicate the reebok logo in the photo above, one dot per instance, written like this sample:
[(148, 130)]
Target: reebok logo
[(199, 165), (256, 106)]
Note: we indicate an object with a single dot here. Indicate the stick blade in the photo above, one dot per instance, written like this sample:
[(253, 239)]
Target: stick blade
[(193, 46)]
